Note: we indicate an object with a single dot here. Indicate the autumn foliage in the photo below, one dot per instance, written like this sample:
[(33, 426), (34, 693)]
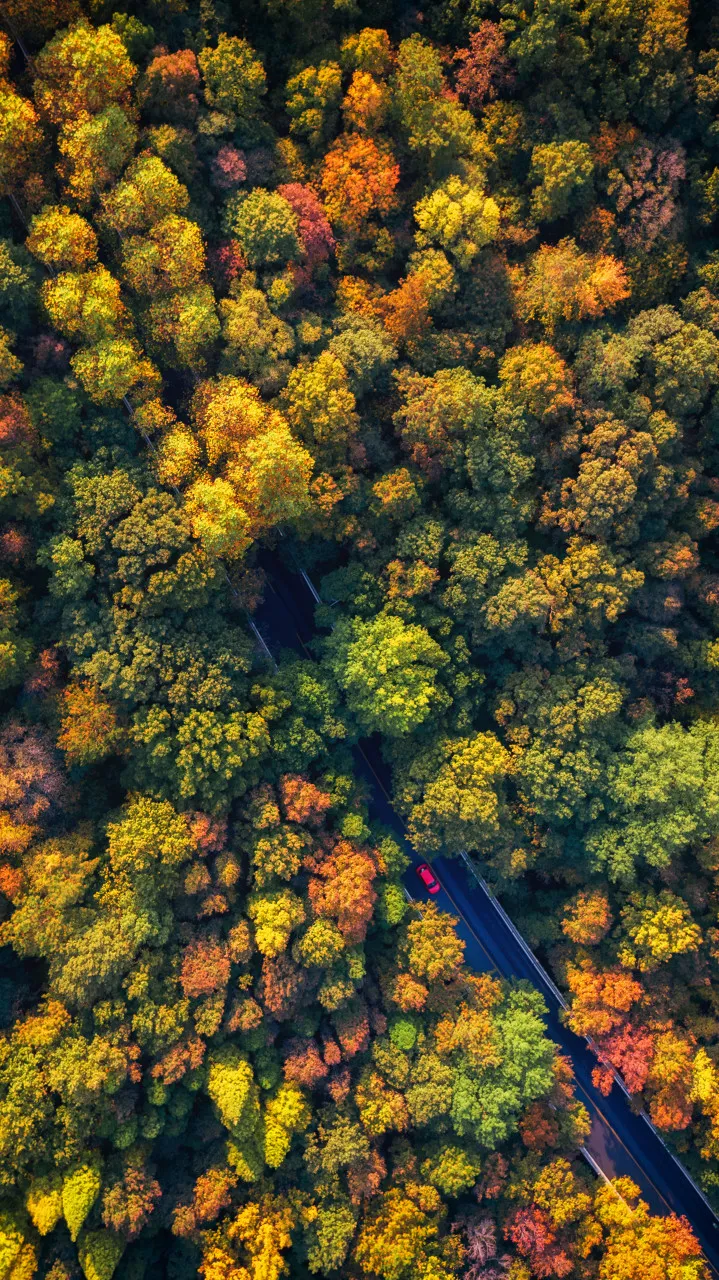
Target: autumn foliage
[(425, 307)]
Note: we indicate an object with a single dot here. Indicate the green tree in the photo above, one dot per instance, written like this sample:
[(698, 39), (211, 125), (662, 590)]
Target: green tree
[(661, 799), (18, 290), (234, 79), (265, 226), (388, 670), (330, 1236), (313, 98), (438, 130), (487, 1101)]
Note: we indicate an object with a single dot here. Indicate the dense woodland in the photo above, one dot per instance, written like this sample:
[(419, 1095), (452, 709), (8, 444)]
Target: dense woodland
[(428, 301)]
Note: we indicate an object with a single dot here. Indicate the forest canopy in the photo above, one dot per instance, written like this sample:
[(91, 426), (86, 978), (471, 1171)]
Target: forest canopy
[(424, 304)]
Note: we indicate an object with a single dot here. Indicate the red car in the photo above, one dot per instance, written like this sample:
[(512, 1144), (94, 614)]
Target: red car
[(428, 878)]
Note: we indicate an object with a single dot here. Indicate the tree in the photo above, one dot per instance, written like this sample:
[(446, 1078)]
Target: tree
[(267, 472), (286, 1113), (89, 730), (18, 291), (171, 256), (303, 801), (20, 137), (587, 917), (182, 327), (562, 172), (660, 801), (562, 283), (128, 1204), (602, 999), (32, 789), (458, 217), (231, 1087), (395, 1240), (94, 151), (80, 1189), (330, 1237), (170, 87), (484, 70), (258, 343), (313, 98), (534, 376), (589, 584), (205, 967), (368, 50), (115, 368), (613, 488), (322, 944), (364, 351), (438, 414), (490, 1092), (644, 185), (366, 104), (282, 987), (217, 520), (432, 947), (438, 129), (275, 915), (81, 72), (639, 1245), (264, 1230), (686, 364), (86, 307), (228, 412), (321, 407), (450, 793), (234, 80), (670, 1078), (452, 1169), (657, 927), (228, 168), (268, 483), (359, 179), (265, 226), (313, 228), (148, 192), (343, 890), (388, 671), (62, 239)]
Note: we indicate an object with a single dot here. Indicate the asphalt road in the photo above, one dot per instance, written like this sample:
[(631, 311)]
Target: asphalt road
[(621, 1141)]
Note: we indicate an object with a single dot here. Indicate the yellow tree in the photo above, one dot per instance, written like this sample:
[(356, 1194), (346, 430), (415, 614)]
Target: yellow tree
[(638, 1246)]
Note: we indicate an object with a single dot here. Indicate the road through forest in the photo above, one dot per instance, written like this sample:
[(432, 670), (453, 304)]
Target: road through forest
[(621, 1142)]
